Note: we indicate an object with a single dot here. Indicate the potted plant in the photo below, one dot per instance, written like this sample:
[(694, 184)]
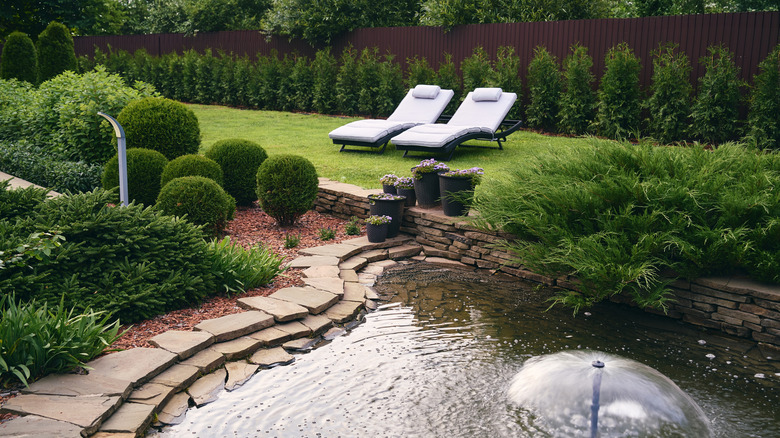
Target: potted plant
[(404, 186), (386, 204), (426, 184), (457, 189), (376, 228), (388, 183)]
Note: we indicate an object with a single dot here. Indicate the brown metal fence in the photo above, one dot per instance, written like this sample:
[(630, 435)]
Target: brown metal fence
[(750, 36)]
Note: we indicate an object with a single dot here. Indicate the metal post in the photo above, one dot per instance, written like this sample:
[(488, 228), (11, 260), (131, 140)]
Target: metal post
[(124, 199), (594, 408)]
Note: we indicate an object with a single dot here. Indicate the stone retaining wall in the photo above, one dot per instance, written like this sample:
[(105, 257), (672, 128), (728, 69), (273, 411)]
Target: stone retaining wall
[(737, 306)]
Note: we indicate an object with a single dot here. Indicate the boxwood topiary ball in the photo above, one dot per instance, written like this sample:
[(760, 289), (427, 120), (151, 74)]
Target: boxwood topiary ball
[(201, 199), (144, 168), (160, 124), (287, 186), (239, 160), (192, 165)]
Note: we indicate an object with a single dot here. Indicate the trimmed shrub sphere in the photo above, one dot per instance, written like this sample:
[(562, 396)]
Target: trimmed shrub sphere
[(19, 59), (162, 125), (144, 168), (287, 186), (201, 199), (55, 52), (192, 165), (239, 160)]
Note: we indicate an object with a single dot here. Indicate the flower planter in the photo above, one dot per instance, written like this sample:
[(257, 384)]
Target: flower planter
[(389, 207), (411, 198), (427, 190), (389, 188), (452, 201), (376, 233)]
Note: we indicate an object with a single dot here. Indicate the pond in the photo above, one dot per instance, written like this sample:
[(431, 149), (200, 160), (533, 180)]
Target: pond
[(438, 360)]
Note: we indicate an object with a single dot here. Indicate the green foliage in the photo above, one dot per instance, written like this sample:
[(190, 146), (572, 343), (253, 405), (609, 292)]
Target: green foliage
[(368, 80), (447, 78), (162, 125), (578, 103), (238, 270), (201, 199), (239, 160), (715, 112), (617, 215), (291, 240), (507, 77), (55, 52), (544, 88), (619, 96), (192, 165), (19, 59), (133, 262), (347, 87), (668, 104), (269, 69), (477, 70), (325, 69), (48, 169), (390, 89), (352, 228), (19, 202), (36, 340), (327, 234), (302, 82), (419, 72), (144, 169), (450, 13), (16, 100), (764, 116), (287, 186)]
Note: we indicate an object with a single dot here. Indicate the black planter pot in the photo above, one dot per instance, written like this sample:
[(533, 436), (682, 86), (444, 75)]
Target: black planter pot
[(411, 198), (452, 189), (427, 190), (393, 208), (389, 188), (376, 233)]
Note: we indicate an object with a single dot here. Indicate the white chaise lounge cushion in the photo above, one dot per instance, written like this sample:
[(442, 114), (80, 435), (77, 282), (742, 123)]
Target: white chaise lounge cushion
[(368, 131), (434, 135)]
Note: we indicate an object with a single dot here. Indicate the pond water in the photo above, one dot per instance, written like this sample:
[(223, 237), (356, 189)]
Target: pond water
[(438, 360)]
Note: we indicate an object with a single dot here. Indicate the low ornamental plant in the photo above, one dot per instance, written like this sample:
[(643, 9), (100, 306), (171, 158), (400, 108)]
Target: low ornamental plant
[(404, 182), (428, 166), (291, 240), (389, 179), (475, 173), (352, 228), (383, 197), (327, 234), (238, 270), (378, 220)]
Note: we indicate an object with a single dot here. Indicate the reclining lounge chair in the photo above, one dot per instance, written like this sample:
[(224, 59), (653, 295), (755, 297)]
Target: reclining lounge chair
[(479, 117), (422, 104)]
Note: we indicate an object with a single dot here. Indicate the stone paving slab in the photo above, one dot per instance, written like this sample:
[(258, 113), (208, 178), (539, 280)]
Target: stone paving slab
[(74, 385), (367, 279), (237, 348), (317, 323), (309, 261), (373, 269), (146, 363), (87, 412), (314, 300), (207, 361), (371, 293), (321, 271), (184, 344), (354, 263), (348, 275), (271, 337), (239, 373), (296, 329), (33, 426), (341, 251), (154, 394), (207, 388), (236, 325), (271, 356), (344, 311), (129, 418), (404, 251), (178, 376), (354, 292), (333, 333), (328, 284), (302, 344), (114, 435), (173, 411), (371, 305), (375, 255), (282, 311)]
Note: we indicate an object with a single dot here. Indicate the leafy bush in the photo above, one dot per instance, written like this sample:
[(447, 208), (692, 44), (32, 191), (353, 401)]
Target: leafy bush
[(201, 199), (192, 165), (19, 59), (269, 69), (18, 202), (390, 89), (40, 166), (617, 215), (16, 102), (162, 125), (544, 88), (352, 228), (477, 70), (668, 104), (239, 160), (327, 234), (36, 340), (347, 88), (291, 240), (133, 262), (287, 186), (578, 102), (325, 69), (619, 97), (419, 72), (55, 52), (447, 78), (764, 119), (507, 77), (238, 270), (144, 169), (368, 80), (715, 112), (302, 82)]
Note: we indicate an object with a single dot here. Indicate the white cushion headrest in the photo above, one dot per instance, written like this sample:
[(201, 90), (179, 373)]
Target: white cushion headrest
[(486, 94), (426, 91)]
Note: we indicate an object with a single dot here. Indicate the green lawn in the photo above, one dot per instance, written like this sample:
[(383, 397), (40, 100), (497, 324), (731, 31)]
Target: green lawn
[(307, 135)]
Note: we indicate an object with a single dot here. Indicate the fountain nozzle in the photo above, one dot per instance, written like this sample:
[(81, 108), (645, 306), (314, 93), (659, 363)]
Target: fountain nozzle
[(597, 364)]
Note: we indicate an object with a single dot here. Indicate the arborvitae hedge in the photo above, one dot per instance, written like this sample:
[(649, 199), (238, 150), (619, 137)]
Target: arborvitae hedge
[(578, 102), (716, 109), (764, 117), (19, 59), (619, 96), (55, 51), (544, 90), (669, 104)]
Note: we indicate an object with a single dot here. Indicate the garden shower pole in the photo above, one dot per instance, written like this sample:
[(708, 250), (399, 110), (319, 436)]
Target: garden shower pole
[(122, 155)]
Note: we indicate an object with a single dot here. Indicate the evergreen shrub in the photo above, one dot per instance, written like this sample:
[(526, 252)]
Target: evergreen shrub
[(764, 116), (19, 59), (239, 160), (325, 69), (715, 112), (144, 169), (578, 103), (669, 102), (544, 89), (368, 81), (507, 77), (302, 83), (40, 166), (161, 124), (55, 52), (192, 165), (17, 102), (201, 199), (419, 72), (447, 78), (390, 89), (287, 186), (18, 202), (347, 87), (477, 70), (619, 102)]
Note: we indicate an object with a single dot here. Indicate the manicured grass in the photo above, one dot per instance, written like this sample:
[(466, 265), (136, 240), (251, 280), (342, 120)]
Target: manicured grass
[(307, 135)]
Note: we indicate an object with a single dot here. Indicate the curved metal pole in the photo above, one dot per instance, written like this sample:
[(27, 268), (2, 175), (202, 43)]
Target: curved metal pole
[(122, 155), (594, 408)]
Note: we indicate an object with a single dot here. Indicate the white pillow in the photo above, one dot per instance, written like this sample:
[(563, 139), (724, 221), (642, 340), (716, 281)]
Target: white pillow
[(426, 91), (486, 94)]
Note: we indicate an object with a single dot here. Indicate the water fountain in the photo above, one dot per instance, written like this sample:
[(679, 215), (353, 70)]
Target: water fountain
[(590, 393)]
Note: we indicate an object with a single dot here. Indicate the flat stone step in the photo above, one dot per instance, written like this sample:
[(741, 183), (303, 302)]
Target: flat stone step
[(271, 356), (354, 292), (184, 344), (207, 388), (239, 373), (146, 363), (236, 325), (86, 412), (271, 337), (314, 300), (129, 418), (154, 394), (404, 251), (309, 261), (74, 385), (375, 255), (173, 411), (237, 348), (328, 284), (333, 333), (354, 263), (344, 311), (348, 275), (33, 426), (282, 311), (317, 323), (341, 251), (207, 361), (321, 271), (178, 376), (296, 329), (302, 344)]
